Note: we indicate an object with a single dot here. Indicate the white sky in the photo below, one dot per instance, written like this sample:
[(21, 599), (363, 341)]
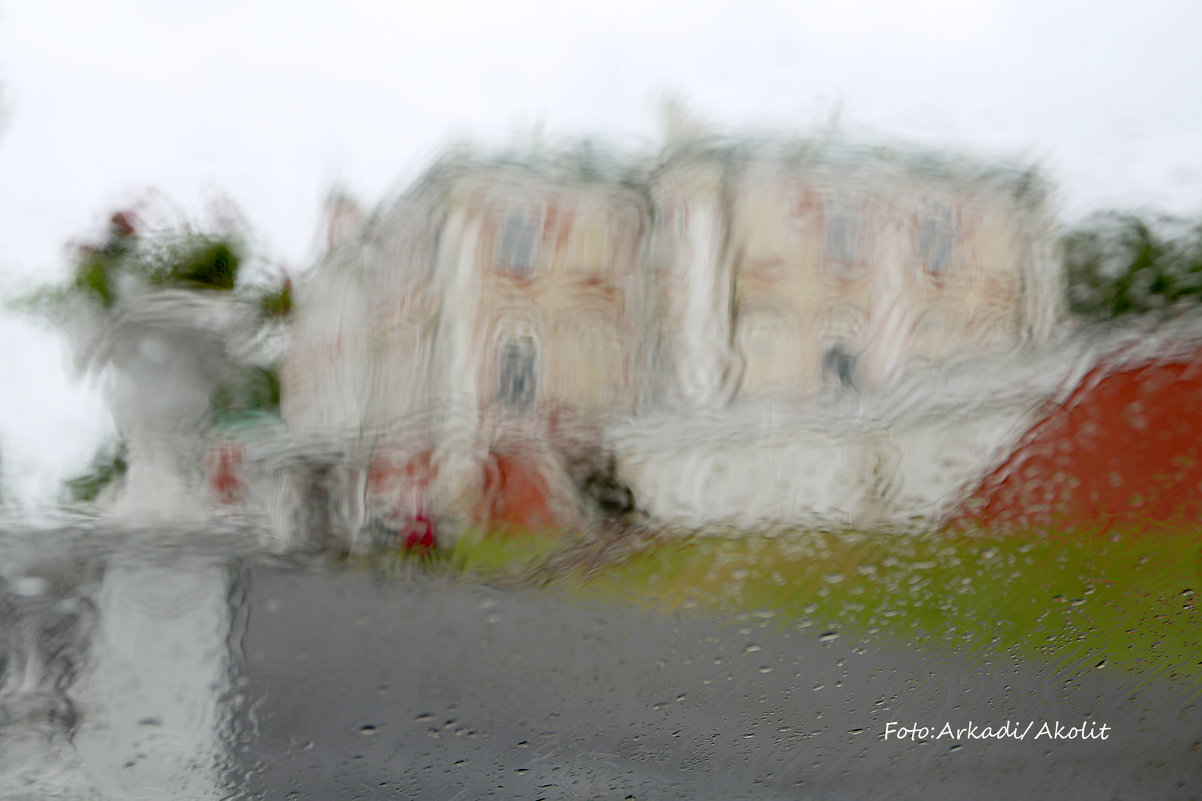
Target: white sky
[(270, 102)]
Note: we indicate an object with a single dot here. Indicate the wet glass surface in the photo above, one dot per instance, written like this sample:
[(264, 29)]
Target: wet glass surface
[(791, 666), (780, 470)]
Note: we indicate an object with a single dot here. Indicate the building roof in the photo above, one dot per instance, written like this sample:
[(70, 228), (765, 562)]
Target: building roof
[(574, 161), (835, 152), (589, 161)]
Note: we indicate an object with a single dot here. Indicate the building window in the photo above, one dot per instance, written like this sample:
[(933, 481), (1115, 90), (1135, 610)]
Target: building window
[(845, 241), (585, 369), (937, 242), (517, 385), (590, 245), (842, 238), (517, 243), (839, 366), (770, 341)]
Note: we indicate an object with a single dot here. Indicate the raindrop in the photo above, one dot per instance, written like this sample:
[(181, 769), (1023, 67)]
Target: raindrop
[(30, 586), (367, 730), (828, 636)]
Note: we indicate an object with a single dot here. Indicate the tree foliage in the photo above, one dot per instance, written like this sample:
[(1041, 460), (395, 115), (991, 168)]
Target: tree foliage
[(108, 466), (131, 264), (180, 259), (1120, 264)]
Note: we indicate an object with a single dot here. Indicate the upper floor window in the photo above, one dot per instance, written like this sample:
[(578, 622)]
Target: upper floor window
[(591, 246), (845, 241), (937, 242), (765, 233), (843, 237), (517, 243)]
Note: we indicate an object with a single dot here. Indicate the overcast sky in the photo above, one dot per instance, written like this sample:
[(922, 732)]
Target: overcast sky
[(271, 102)]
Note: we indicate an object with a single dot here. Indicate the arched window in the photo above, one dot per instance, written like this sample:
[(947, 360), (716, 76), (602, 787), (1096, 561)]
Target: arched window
[(840, 365), (840, 339), (517, 384), (770, 341)]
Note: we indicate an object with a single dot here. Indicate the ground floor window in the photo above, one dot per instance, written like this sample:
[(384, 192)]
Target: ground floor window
[(518, 373)]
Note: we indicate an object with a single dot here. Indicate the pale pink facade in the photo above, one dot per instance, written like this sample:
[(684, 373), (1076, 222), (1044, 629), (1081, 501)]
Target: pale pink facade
[(497, 303)]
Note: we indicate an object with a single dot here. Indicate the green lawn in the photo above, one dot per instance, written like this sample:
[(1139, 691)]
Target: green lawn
[(1118, 603)]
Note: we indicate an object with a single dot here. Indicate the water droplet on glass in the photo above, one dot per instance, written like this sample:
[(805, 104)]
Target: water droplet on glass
[(30, 586)]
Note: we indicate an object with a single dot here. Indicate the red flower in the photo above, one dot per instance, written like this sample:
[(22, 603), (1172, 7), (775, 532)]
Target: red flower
[(124, 224), (418, 537)]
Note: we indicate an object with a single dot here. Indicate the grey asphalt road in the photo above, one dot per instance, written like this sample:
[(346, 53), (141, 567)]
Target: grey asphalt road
[(447, 688)]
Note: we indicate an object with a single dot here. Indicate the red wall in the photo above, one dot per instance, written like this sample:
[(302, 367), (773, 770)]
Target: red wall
[(1124, 452)]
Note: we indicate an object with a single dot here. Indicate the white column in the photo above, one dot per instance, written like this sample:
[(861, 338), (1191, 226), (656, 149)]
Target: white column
[(153, 723), (702, 350)]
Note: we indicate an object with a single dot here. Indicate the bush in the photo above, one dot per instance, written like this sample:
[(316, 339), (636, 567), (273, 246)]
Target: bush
[(1123, 264)]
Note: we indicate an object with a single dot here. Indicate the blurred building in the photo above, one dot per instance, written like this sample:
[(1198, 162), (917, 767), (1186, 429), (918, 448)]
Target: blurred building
[(494, 298), (787, 267), (540, 272), (499, 298)]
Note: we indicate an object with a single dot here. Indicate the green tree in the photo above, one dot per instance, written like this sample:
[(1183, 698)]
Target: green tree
[(108, 466), (1120, 264), (130, 265)]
